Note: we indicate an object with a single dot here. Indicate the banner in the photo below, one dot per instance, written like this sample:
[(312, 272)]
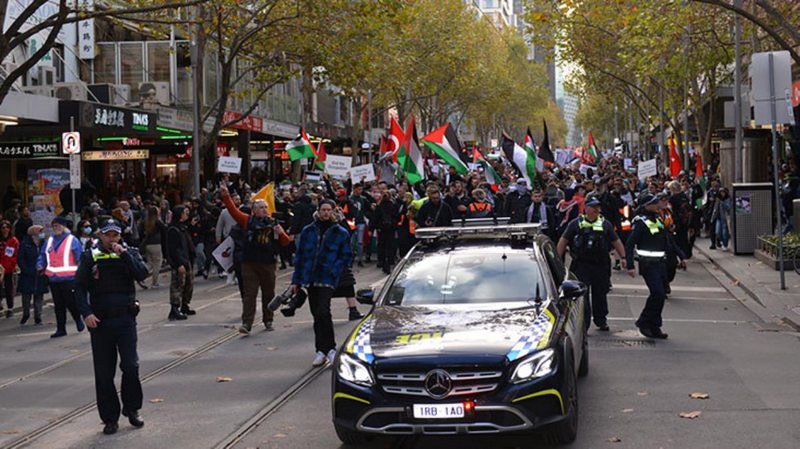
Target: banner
[(224, 253), (338, 166), (361, 173)]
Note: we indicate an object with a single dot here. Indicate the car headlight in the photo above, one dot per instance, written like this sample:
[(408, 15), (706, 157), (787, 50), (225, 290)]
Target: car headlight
[(353, 370), (538, 365)]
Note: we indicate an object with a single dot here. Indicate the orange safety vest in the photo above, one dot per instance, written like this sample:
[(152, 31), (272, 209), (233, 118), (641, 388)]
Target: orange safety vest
[(412, 226), (474, 207), (350, 223), (61, 262), (666, 217), (625, 223)]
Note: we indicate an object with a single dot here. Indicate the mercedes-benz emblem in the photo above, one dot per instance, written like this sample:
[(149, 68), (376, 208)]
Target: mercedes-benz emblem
[(438, 384)]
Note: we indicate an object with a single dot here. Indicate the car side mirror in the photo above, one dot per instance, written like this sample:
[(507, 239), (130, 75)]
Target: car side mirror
[(365, 296), (572, 290)]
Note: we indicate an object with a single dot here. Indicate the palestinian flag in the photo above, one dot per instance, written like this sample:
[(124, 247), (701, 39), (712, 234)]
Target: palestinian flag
[(593, 150), (675, 164), (699, 173), (530, 145), (321, 155), (491, 175), (444, 143), (395, 140), (544, 150), (523, 160), (410, 156), (300, 147)]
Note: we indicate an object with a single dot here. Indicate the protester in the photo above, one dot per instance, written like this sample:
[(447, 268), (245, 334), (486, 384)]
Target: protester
[(9, 252), (180, 256)]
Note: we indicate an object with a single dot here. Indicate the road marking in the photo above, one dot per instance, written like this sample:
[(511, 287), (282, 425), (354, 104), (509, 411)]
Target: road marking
[(674, 298), (679, 288), (683, 320)]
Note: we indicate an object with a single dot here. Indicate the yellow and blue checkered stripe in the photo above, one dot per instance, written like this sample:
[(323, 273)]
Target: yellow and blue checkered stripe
[(359, 344), (534, 337)]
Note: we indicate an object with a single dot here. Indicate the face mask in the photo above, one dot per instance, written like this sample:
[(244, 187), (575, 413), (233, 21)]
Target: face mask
[(87, 230), (41, 236)]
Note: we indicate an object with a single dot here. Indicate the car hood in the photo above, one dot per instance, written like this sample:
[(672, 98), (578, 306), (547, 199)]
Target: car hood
[(501, 330)]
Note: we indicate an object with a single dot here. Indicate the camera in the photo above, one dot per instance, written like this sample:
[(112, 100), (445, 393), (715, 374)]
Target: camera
[(289, 301)]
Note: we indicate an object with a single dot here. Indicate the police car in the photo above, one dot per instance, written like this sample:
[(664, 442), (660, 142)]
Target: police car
[(480, 329)]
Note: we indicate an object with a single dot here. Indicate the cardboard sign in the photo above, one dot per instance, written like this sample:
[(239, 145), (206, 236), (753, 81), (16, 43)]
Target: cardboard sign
[(224, 253), (367, 172), (228, 164), (647, 168), (338, 166)]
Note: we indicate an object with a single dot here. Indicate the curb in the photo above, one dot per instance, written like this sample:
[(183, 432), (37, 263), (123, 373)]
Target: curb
[(763, 312)]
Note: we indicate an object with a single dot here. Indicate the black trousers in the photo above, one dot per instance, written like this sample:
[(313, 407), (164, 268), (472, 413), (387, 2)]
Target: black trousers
[(7, 290), (319, 300), (597, 278), (111, 337), (63, 300), (655, 276), (385, 251)]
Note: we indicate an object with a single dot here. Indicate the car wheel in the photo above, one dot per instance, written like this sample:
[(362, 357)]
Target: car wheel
[(583, 368), (350, 437), (566, 431)]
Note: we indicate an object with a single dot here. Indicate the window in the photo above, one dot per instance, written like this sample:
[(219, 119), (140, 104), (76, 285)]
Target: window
[(105, 64), (556, 266), (132, 65), (158, 61), (467, 278), (184, 59)]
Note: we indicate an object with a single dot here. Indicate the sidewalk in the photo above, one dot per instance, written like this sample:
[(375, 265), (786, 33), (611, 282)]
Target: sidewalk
[(755, 284)]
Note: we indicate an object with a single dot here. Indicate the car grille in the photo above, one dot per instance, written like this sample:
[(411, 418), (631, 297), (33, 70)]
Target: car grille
[(463, 382)]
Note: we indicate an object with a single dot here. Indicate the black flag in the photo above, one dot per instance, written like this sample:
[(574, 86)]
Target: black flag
[(544, 150)]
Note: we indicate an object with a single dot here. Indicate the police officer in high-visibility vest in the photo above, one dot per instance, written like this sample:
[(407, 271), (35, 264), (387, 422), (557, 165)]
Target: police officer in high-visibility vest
[(590, 238), (105, 290), (651, 242)]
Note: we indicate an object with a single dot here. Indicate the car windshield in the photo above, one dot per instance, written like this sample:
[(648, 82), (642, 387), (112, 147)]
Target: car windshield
[(466, 278)]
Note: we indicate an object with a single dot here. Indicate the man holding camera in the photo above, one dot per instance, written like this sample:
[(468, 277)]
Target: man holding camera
[(323, 252), (106, 298), (263, 239)]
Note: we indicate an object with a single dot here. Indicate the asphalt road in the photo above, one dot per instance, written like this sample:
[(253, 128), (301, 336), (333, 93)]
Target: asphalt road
[(634, 393)]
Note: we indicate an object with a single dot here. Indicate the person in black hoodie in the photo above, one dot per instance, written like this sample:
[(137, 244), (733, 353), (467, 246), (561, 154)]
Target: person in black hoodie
[(385, 221), (180, 255)]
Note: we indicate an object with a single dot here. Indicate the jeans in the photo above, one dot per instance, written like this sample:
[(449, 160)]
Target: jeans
[(357, 241), (113, 336), (722, 232), (319, 300)]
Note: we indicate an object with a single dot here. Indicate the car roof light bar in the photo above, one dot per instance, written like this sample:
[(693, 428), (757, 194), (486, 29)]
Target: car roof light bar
[(479, 228)]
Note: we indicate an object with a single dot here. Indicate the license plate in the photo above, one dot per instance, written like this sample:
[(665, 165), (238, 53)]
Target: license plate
[(438, 411)]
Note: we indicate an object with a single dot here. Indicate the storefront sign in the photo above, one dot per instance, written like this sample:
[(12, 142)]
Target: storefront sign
[(106, 117), (22, 150), (250, 122), (175, 119), (86, 33), (279, 129), (115, 155)]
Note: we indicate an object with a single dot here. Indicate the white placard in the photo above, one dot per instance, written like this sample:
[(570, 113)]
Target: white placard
[(338, 166), (224, 253), (472, 166), (647, 168), (228, 164), (585, 169), (86, 37), (361, 173), (71, 142), (74, 171), (627, 163)]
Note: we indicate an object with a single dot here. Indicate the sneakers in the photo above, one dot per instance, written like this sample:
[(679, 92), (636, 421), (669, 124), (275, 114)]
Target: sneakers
[(724, 249), (653, 333), (603, 327), (331, 355), (319, 359), (244, 329), (354, 314), (268, 326)]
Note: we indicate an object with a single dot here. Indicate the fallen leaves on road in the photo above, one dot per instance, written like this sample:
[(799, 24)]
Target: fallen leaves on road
[(642, 393), (690, 415), (10, 432), (280, 435), (223, 379), (156, 400), (271, 348), (614, 440), (627, 410), (698, 395)]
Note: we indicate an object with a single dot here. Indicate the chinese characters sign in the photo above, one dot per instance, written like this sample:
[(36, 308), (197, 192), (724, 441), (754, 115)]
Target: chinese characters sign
[(22, 150), (86, 32)]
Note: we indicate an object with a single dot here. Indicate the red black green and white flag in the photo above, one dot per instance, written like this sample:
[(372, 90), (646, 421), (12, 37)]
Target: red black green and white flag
[(300, 147), (443, 142), (410, 156), (321, 155), (530, 145), (522, 159), (488, 171), (592, 157)]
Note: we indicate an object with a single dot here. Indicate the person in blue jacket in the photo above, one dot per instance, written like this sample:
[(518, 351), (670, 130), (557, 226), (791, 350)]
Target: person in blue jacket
[(32, 283)]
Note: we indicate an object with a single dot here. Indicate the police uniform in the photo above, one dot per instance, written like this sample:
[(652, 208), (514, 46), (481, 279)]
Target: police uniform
[(589, 244), (651, 242), (105, 288)]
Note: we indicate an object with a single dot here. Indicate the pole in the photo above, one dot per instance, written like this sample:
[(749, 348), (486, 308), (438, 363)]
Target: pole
[(74, 208), (369, 124), (774, 114), (196, 141), (738, 150), (616, 122), (661, 142)]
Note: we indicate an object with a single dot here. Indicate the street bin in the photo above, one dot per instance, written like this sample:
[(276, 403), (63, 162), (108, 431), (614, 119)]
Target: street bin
[(753, 215)]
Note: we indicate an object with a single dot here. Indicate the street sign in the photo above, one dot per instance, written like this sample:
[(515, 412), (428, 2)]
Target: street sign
[(75, 171), (71, 142), (771, 77)]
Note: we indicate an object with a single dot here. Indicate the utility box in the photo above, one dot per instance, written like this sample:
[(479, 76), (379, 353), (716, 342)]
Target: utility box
[(796, 215), (752, 215)]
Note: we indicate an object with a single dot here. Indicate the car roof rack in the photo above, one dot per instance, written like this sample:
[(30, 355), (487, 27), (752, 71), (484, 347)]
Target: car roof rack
[(476, 228)]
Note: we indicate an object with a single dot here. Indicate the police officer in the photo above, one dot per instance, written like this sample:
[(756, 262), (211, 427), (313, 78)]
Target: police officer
[(106, 296), (652, 242), (590, 238)]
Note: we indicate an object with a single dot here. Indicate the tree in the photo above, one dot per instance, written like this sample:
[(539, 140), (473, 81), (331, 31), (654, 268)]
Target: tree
[(24, 19)]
